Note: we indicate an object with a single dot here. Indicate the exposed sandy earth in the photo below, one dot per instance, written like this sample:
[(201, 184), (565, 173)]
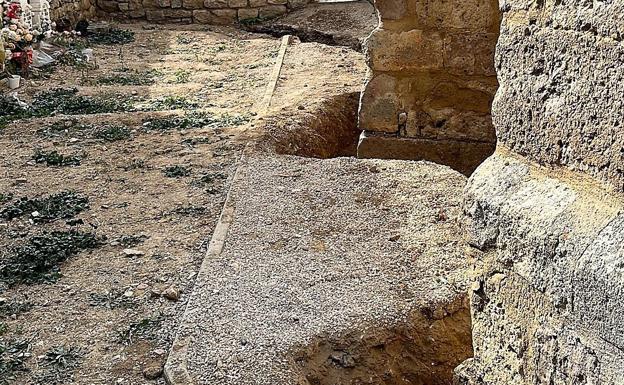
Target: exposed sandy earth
[(110, 303)]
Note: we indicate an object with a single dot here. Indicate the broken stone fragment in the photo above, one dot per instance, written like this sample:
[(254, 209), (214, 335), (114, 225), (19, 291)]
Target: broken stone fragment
[(172, 293), (133, 252), (152, 372)]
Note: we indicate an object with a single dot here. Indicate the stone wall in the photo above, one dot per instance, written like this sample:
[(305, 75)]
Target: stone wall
[(72, 10), (547, 210), (432, 82), (198, 11)]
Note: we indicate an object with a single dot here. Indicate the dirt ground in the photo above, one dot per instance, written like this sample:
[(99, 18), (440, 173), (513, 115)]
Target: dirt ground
[(150, 195)]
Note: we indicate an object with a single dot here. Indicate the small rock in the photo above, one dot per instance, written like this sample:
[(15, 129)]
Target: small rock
[(172, 293), (395, 238), (152, 372), (21, 180), (35, 214), (128, 293), (133, 252), (142, 286), (159, 352)]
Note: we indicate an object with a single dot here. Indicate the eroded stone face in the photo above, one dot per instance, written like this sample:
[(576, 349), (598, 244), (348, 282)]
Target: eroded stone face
[(547, 288), (432, 62), (562, 70)]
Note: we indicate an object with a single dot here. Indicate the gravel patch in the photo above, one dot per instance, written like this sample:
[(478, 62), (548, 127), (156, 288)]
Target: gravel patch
[(318, 249)]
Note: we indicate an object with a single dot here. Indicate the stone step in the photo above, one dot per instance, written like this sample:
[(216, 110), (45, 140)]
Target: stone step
[(329, 272)]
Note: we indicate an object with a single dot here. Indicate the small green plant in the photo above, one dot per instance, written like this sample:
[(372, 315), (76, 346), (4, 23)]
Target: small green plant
[(113, 299), (195, 141), (39, 259), (113, 36), (170, 102), (13, 356), (209, 179), (59, 364), (181, 76), (147, 328), (192, 211), (184, 39), (73, 128), (54, 158), (6, 197), (176, 171), (112, 133), (128, 77), (63, 205), (9, 308)]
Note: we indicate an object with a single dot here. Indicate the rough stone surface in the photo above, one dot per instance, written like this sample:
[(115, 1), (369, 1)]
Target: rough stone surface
[(337, 269), (546, 294), (432, 73), (567, 86), (198, 11), (74, 10), (270, 11), (546, 209)]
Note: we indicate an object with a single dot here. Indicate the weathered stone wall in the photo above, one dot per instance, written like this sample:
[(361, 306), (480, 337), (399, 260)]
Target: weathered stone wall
[(547, 210), (198, 11), (432, 82), (72, 10)]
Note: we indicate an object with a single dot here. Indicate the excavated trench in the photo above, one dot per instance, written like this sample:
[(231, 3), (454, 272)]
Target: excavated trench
[(431, 343), (328, 129), (423, 351)]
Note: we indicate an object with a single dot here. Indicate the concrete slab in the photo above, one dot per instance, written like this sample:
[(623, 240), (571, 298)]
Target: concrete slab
[(330, 272)]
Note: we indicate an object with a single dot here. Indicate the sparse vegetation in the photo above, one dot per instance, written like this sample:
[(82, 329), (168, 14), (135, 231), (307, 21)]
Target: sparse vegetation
[(112, 299), (13, 356), (114, 36), (39, 258), (144, 329), (181, 76), (54, 158), (170, 102), (193, 120), (112, 133), (63, 205), (73, 128), (59, 364), (176, 171), (9, 308), (208, 179), (128, 77)]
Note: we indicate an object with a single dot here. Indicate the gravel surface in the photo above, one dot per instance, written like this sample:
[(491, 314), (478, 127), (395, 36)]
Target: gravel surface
[(319, 249)]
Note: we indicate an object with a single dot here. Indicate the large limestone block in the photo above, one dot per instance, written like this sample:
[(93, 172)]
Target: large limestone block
[(405, 50), (470, 53), (560, 100), (468, 15), (546, 298), (435, 106), (380, 105), (215, 16)]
